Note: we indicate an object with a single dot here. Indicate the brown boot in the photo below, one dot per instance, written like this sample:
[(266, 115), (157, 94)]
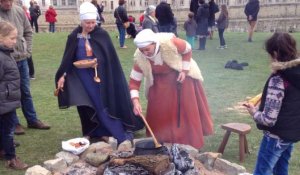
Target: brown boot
[(16, 164), (38, 125), (19, 130)]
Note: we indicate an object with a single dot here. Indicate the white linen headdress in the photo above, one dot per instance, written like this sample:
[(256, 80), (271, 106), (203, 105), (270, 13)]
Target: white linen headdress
[(87, 11)]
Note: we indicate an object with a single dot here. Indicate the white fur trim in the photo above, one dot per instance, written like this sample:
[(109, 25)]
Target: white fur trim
[(188, 48), (137, 76), (186, 65), (134, 94)]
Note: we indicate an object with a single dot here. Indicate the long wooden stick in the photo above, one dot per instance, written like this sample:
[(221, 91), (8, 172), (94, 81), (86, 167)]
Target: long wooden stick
[(157, 145)]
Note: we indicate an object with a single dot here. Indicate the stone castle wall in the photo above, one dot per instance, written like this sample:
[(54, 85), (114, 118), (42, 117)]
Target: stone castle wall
[(284, 17)]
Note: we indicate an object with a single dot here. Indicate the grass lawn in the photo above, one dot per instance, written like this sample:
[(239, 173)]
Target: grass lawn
[(225, 88)]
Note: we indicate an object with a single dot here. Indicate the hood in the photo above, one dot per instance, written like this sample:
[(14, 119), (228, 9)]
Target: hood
[(289, 70)]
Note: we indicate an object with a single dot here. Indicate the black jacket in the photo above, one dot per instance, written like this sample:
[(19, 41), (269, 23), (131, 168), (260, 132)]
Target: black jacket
[(121, 15), (10, 94), (164, 14), (252, 8), (114, 88), (288, 120)]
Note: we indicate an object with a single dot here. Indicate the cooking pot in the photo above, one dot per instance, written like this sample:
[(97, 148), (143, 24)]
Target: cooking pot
[(147, 147)]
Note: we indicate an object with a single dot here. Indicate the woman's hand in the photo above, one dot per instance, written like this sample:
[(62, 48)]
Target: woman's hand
[(181, 77), (137, 108), (250, 108), (60, 83)]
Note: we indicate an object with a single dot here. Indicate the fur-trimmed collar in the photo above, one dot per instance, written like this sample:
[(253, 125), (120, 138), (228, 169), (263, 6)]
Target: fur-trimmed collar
[(276, 66)]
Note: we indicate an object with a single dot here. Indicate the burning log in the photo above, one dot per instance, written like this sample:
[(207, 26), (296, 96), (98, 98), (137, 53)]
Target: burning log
[(155, 164)]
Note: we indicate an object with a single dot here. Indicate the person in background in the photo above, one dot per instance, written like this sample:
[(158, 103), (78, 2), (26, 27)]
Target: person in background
[(150, 22), (26, 11), (177, 109), (190, 27), (15, 15), (202, 23), (251, 11), (120, 14), (213, 9), (29, 59), (222, 23), (278, 114), (131, 30), (100, 8), (35, 12), (9, 82), (165, 17), (141, 18), (104, 106), (50, 16), (194, 5)]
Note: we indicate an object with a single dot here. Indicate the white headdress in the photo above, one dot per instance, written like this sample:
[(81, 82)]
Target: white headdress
[(87, 11)]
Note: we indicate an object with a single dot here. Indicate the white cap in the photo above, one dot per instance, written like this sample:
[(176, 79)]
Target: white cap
[(87, 11), (145, 38)]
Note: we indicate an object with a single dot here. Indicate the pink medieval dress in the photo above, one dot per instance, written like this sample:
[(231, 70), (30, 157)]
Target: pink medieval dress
[(177, 113)]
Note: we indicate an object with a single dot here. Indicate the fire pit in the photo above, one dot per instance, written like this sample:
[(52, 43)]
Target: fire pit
[(146, 159)]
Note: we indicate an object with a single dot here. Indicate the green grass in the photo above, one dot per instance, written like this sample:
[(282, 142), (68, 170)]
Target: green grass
[(224, 89)]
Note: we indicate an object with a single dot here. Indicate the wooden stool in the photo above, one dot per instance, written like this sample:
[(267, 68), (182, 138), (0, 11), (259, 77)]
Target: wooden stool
[(240, 128)]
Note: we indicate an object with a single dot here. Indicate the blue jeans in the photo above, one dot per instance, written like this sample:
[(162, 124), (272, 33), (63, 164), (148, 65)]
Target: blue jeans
[(26, 99), (273, 156), (7, 127), (221, 36), (122, 33), (51, 27)]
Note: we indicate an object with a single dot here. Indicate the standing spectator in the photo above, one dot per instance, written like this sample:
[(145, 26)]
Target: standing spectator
[(50, 16), (15, 15), (251, 11), (202, 23), (104, 107), (278, 115), (194, 5), (177, 109), (121, 17), (35, 12), (100, 8), (29, 59), (190, 27), (141, 18), (150, 22), (165, 16), (9, 82), (213, 9), (222, 23)]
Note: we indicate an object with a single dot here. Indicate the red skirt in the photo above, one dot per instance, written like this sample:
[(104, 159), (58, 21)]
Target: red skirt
[(178, 113)]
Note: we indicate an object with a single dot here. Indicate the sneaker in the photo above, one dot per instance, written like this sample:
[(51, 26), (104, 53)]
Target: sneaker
[(19, 130), (249, 40), (16, 164), (32, 77), (38, 125), (225, 46), (125, 146), (123, 47), (220, 47)]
